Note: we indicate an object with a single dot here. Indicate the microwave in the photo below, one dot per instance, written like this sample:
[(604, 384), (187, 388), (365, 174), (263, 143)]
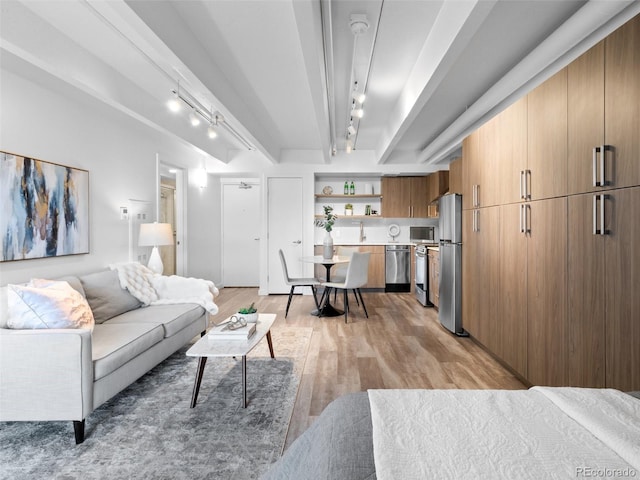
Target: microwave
[(421, 234)]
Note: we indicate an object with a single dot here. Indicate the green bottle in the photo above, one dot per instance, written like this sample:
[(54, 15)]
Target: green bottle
[(353, 189), (346, 188)]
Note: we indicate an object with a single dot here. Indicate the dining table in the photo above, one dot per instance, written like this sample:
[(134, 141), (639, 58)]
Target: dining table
[(326, 309)]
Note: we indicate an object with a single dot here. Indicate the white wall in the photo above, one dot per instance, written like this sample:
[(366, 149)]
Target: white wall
[(61, 125)]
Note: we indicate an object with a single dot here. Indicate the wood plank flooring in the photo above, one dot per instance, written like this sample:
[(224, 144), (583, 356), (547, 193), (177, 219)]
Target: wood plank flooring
[(400, 345)]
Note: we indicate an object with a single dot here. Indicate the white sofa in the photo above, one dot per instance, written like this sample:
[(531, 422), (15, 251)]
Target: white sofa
[(65, 374)]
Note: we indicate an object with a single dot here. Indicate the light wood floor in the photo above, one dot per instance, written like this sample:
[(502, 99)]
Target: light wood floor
[(400, 345)]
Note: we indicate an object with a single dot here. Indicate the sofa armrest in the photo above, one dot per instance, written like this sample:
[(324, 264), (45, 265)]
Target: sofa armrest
[(45, 374)]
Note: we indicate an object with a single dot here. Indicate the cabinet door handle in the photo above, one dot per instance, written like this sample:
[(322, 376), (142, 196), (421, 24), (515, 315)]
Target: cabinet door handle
[(521, 189), (477, 220), (527, 210), (595, 178), (595, 212), (521, 218), (527, 182), (602, 197), (598, 150), (602, 177)]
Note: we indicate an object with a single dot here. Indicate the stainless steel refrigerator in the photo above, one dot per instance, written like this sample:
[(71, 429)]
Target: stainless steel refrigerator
[(450, 307)]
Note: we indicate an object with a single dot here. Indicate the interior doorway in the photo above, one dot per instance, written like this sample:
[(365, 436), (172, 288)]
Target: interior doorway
[(168, 215), (241, 225)]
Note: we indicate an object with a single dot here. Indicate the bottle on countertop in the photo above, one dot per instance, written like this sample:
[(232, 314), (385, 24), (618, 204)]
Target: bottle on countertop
[(346, 188), (352, 189)]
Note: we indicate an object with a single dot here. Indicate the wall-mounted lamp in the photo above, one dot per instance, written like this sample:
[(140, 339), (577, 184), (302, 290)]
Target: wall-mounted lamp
[(155, 235)]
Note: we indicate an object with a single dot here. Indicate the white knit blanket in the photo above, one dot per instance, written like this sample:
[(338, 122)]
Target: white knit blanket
[(154, 289), (495, 434)]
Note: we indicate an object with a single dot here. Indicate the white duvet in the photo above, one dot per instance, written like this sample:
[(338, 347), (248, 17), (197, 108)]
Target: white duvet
[(490, 434)]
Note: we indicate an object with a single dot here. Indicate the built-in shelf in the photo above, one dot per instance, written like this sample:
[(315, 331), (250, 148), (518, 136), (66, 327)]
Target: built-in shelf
[(359, 195), (340, 217)]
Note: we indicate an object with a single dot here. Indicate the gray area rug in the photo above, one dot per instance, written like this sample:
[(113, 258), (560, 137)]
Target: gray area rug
[(148, 430)]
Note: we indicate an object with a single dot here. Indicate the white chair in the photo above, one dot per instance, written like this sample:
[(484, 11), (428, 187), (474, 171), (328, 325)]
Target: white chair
[(297, 282), (357, 274), (339, 273)]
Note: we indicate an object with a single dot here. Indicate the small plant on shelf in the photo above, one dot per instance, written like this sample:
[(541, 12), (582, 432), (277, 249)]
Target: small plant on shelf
[(348, 209), (328, 220)]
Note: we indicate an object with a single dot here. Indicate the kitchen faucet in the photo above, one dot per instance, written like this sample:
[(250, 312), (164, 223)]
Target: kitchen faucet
[(363, 237)]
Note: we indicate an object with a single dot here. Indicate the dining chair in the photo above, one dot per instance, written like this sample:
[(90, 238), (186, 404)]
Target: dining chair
[(297, 282), (357, 273), (339, 273)]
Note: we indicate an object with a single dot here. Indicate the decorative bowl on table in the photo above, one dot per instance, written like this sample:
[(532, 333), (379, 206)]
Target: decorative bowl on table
[(249, 314)]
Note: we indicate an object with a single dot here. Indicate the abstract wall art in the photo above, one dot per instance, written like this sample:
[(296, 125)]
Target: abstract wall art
[(44, 209)]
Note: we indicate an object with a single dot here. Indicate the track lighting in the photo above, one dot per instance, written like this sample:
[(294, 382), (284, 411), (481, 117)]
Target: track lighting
[(351, 130), (198, 111), (357, 112), (193, 118), (349, 147)]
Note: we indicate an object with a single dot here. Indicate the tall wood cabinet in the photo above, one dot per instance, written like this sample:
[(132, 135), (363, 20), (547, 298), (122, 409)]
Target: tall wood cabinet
[(566, 241)]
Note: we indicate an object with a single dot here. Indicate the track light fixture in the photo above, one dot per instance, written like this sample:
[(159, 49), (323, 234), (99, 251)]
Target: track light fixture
[(349, 146), (197, 112), (351, 130), (174, 103), (356, 95)]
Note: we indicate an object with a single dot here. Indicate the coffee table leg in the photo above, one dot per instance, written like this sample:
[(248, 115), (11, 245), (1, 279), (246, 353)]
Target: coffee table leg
[(244, 381), (202, 361), (270, 344)]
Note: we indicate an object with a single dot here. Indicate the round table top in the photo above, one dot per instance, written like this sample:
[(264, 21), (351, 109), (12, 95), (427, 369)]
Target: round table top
[(327, 261)]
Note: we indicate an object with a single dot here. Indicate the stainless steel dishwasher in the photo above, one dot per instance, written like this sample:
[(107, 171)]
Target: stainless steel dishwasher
[(397, 268)]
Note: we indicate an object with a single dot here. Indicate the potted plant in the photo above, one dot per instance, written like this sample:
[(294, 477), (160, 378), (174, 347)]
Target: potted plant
[(250, 313), (327, 223), (348, 209)]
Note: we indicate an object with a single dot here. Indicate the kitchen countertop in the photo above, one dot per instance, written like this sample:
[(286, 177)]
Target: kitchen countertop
[(371, 244), (434, 248)]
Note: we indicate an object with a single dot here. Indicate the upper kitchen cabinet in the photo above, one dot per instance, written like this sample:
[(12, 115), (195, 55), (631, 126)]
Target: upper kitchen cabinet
[(546, 172), (604, 113), (622, 107), (495, 159), (455, 176), (437, 185), (585, 119), (404, 197)]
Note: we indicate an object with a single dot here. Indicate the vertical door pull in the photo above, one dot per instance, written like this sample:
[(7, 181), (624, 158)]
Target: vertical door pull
[(521, 218), (595, 180), (521, 189), (595, 213), (527, 221), (527, 182), (602, 197), (602, 177), (478, 195), (598, 151)]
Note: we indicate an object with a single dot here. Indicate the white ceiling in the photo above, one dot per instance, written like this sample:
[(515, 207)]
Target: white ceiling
[(279, 71)]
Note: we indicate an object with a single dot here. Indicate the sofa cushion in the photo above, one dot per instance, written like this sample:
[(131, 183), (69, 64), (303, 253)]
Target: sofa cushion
[(172, 317), (47, 304), (115, 345), (105, 295)]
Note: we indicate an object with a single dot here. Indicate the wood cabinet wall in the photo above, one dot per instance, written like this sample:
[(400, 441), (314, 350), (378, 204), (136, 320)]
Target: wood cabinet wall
[(433, 259), (551, 225), (455, 176)]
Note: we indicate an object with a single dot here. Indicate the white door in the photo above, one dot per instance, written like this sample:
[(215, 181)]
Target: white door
[(241, 234), (285, 230)]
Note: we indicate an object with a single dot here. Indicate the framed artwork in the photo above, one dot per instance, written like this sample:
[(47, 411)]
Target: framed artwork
[(44, 209)]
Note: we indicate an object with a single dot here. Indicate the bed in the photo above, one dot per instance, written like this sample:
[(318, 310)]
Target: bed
[(536, 433)]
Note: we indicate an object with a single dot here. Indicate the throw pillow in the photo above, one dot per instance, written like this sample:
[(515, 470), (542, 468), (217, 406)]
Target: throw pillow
[(106, 297), (49, 305)]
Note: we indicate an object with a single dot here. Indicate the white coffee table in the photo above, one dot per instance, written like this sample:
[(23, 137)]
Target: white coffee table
[(207, 347)]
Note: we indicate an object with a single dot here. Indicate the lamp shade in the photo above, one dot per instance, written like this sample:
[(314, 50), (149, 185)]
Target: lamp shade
[(155, 234)]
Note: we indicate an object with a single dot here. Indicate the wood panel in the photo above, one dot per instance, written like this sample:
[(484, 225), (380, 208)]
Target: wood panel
[(471, 168), (419, 201), (622, 279), (622, 105), (376, 278), (511, 152), (438, 185), (546, 292), (512, 303), (470, 300), (547, 138), (585, 117), (396, 198), (585, 296), (434, 277), (455, 176)]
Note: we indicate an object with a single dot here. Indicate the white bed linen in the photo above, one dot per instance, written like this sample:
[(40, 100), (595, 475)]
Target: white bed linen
[(459, 434)]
